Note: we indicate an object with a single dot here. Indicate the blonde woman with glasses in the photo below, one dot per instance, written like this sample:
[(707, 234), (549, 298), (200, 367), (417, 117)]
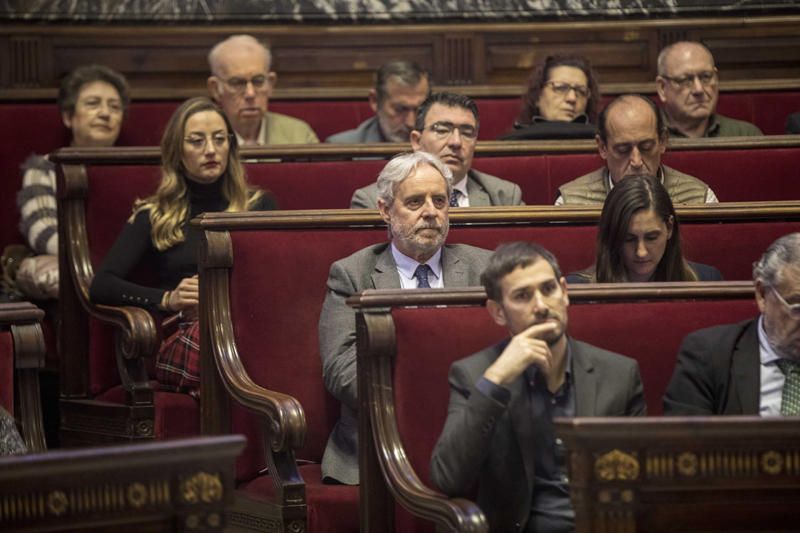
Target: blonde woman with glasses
[(200, 172)]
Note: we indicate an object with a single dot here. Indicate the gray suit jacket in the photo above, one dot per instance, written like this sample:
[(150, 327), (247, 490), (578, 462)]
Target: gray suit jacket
[(490, 443), (718, 372), (368, 131), (483, 189), (370, 268)]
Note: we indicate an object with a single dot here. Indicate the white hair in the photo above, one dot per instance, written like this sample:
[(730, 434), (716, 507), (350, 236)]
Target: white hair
[(781, 253), (242, 41), (402, 166)]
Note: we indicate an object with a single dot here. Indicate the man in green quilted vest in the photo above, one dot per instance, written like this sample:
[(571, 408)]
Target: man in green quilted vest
[(631, 138)]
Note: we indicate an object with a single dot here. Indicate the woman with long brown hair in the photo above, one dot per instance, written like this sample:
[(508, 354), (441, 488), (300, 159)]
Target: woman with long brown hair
[(639, 238), (200, 172)]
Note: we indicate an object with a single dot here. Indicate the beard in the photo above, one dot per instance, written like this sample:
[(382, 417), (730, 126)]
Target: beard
[(398, 134), (416, 238)]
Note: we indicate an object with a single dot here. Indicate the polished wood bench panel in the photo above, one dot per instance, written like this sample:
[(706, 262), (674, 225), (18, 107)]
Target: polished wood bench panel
[(22, 352), (684, 474), (184, 485), (407, 341)]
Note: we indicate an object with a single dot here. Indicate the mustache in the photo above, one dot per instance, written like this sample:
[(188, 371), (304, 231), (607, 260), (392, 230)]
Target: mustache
[(429, 225)]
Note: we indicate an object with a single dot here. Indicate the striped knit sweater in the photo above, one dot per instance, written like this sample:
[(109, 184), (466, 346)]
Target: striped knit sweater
[(37, 205)]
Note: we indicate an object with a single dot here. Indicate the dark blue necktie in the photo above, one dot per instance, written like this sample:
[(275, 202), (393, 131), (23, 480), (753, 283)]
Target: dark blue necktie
[(454, 198), (421, 275)]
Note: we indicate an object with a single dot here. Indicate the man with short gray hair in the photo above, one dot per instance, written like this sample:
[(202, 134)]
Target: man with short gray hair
[(400, 88), (750, 368), (413, 200), (241, 82)]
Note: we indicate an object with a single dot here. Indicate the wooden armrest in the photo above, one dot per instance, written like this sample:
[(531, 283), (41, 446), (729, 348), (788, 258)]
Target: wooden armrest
[(24, 321), (137, 331), (376, 351), (285, 421)]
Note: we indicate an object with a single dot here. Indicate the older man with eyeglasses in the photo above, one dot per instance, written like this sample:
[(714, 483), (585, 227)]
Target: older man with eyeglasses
[(447, 127), (688, 87), (241, 82), (750, 368)]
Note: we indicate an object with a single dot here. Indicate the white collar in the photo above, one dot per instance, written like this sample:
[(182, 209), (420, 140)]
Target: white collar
[(407, 266)]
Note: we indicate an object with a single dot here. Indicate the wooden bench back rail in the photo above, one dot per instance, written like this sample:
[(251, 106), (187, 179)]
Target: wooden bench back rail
[(409, 339), (749, 172), (151, 155), (22, 352), (683, 474), (180, 485)]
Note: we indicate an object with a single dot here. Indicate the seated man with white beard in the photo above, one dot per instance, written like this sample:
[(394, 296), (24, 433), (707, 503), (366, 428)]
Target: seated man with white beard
[(413, 194)]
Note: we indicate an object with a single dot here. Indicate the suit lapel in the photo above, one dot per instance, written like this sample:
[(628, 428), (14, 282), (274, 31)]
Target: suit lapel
[(454, 270), (385, 275), (746, 373), (584, 380), (478, 196)]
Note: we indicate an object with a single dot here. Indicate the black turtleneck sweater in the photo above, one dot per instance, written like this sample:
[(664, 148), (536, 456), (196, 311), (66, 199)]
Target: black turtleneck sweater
[(134, 247)]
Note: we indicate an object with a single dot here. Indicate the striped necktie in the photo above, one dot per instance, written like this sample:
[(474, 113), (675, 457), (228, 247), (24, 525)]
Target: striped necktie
[(790, 399)]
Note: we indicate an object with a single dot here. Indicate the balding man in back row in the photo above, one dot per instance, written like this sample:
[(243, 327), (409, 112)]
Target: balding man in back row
[(400, 88), (447, 126), (241, 82), (688, 87), (631, 138)]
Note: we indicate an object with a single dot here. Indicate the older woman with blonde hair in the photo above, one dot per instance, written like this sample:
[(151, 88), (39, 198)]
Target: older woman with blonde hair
[(200, 172)]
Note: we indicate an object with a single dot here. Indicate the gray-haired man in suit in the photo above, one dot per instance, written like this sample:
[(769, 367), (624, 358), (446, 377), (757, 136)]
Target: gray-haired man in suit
[(413, 192), (447, 126), (499, 431)]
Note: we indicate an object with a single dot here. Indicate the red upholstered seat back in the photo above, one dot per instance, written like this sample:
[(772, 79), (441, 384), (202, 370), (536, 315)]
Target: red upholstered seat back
[(429, 340), (112, 191), (765, 109), (743, 175), (573, 245), (651, 332), (30, 129), (529, 172), (7, 371), (732, 247), (319, 185), (497, 116), (326, 117), (278, 284)]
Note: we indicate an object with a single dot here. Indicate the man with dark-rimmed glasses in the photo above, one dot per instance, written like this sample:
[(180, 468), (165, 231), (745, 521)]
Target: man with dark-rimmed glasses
[(750, 368), (241, 82), (447, 127), (688, 87)]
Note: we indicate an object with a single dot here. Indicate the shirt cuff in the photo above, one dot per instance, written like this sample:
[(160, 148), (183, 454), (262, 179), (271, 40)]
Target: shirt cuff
[(494, 391)]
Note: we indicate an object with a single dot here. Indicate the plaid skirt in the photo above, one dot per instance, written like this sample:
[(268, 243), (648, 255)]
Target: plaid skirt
[(178, 360)]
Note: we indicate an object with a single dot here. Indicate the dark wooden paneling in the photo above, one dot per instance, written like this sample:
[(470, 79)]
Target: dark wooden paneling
[(160, 57)]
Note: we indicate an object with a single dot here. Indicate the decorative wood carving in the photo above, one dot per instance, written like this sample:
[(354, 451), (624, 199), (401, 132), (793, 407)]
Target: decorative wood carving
[(24, 321), (164, 60), (167, 486)]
